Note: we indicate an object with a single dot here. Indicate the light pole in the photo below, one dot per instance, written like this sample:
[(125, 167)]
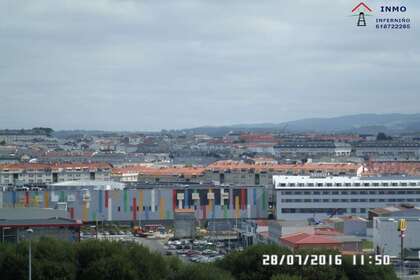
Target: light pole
[(30, 231)]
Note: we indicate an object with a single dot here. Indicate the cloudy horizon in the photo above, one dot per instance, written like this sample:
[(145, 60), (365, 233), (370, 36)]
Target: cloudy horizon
[(151, 65)]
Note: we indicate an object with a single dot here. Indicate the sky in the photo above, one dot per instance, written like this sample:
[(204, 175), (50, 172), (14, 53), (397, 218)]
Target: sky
[(153, 64)]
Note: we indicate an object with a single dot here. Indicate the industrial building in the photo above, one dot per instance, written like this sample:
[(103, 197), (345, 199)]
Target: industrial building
[(14, 224), (147, 202)]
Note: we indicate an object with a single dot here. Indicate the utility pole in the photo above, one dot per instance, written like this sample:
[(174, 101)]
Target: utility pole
[(30, 231), (402, 227)]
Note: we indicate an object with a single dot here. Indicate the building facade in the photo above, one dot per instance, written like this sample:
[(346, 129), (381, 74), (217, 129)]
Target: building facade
[(41, 174), (147, 203), (300, 197)]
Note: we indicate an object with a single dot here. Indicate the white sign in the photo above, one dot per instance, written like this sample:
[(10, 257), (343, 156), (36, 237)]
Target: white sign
[(196, 196), (179, 196), (210, 195)]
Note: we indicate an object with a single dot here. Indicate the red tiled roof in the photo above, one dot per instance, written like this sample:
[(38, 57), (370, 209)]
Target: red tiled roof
[(306, 238), (160, 171), (392, 168), (53, 166)]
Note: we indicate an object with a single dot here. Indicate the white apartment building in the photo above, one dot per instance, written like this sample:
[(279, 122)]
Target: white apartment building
[(38, 173), (301, 197)]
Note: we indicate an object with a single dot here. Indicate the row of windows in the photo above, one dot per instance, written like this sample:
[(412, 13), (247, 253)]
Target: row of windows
[(350, 200), (350, 192), (356, 184), (323, 210)]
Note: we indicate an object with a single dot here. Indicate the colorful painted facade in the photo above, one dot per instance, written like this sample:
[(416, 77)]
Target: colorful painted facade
[(146, 204)]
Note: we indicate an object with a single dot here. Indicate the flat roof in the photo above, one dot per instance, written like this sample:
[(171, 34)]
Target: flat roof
[(53, 222)]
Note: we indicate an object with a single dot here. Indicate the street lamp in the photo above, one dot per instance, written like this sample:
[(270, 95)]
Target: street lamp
[(30, 231)]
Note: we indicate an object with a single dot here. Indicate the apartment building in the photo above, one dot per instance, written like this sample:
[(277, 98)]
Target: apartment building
[(388, 149), (304, 149), (237, 172), (41, 174), (230, 172), (300, 197), (13, 136)]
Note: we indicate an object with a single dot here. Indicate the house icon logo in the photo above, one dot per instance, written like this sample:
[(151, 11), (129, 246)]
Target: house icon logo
[(361, 11)]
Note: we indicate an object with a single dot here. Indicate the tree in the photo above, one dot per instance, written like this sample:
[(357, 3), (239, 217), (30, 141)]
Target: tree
[(248, 263), (53, 259), (382, 137), (320, 272), (368, 271), (201, 272), (285, 277)]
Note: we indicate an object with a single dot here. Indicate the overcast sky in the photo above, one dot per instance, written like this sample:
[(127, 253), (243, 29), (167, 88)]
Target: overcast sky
[(154, 64)]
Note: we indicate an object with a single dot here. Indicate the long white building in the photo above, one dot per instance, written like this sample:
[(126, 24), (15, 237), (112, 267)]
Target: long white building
[(300, 197)]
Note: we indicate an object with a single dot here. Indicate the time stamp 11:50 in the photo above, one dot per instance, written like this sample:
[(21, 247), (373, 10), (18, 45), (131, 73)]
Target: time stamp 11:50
[(324, 260)]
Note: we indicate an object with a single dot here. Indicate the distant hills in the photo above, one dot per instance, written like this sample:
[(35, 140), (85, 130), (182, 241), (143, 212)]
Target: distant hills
[(360, 123)]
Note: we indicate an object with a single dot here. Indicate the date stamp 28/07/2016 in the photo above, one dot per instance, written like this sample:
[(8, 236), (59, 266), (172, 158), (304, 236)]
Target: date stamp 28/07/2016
[(320, 260)]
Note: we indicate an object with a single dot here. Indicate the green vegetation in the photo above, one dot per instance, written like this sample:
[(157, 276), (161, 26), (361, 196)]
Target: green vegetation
[(367, 244), (93, 259)]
